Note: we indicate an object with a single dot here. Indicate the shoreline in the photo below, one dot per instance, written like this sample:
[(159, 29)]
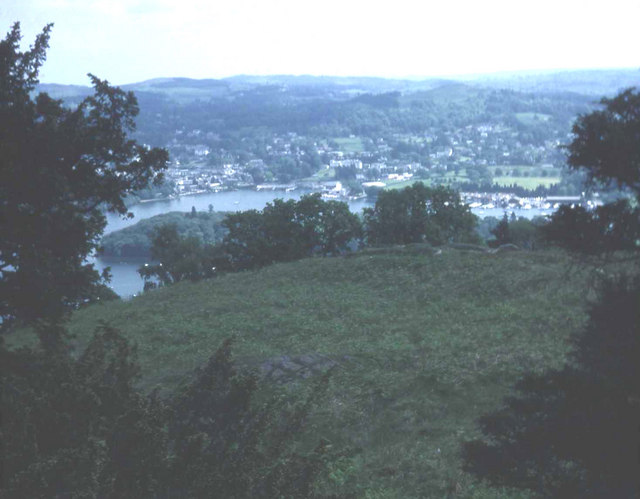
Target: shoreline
[(476, 200)]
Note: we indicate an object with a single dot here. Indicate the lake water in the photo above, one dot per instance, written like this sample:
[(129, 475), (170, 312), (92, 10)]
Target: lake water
[(126, 281)]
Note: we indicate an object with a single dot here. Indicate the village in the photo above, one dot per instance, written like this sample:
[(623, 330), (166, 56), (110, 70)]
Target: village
[(354, 167), (476, 153)]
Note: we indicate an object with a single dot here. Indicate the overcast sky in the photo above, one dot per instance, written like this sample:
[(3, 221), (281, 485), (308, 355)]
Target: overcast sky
[(126, 41)]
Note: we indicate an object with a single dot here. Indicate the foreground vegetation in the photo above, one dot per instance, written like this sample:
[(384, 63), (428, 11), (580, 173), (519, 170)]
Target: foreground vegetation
[(421, 345)]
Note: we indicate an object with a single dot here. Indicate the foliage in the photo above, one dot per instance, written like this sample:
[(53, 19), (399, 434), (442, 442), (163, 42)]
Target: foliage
[(606, 145), (282, 231), (608, 228), (79, 428), (574, 432), (162, 190), (485, 226), (180, 258), (524, 233), (59, 168), (289, 230), (136, 239), (223, 441), (501, 231), (63, 421), (607, 142), (419, 213)]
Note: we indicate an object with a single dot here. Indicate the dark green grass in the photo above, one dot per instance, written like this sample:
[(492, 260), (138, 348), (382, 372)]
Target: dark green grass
[(424, 345)]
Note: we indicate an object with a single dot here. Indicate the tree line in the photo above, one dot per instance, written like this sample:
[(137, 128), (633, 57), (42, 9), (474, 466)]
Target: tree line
[(291, 230), (135, 241)]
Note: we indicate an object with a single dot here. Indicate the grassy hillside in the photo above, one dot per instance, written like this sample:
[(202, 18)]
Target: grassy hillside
[(419, 345)]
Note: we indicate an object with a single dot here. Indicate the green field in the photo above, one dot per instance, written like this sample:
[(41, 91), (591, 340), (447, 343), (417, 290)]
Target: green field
[(350, 144), (421, 345), (445, 179), (532, 118), (527, 182), (401, 184)]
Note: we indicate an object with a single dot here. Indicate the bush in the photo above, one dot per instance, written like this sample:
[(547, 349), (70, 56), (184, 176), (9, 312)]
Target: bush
[(574, 432), (79, 428)]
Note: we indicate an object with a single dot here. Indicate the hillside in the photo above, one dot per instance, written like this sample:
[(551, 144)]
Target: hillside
[(595, 82), (419, 346), (588, 82), (251, 130)]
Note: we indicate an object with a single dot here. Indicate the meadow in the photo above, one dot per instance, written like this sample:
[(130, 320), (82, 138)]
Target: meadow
[(350, 144), (418, 347), (527, 182)]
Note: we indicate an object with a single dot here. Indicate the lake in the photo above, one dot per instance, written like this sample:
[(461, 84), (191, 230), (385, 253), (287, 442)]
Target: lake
[(126, 281)]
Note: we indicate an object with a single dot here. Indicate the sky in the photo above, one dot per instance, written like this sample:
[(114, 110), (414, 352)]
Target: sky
[(126, 41)]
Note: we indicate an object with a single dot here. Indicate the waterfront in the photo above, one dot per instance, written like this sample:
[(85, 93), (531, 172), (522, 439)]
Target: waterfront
[(126, 281)]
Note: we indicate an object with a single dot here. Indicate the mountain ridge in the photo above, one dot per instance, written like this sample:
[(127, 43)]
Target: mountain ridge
[(590, 82)]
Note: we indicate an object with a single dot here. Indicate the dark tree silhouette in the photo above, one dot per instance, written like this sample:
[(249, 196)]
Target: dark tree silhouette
[(180, 258), (606, 146), (501, 231), (575, 432), (60, 169), (419, 213), (79, 428), (607, 142), (289, 230)]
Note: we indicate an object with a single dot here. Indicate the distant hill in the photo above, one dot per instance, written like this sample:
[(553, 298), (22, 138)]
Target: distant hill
[(64, 92), (588, 82), (352, 84), (284, 128), (596, 82)]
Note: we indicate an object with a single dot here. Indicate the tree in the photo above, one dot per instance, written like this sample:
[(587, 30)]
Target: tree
[(573, 432), (328, 226), (601, 232), (501, 232), (419, 213), (606, 143), (64, 421), (222, 440), (290, 230), (60, 168), (76, 426), (606, 146), (79, 428), (180, 258), (522, 232), (525, 233)]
